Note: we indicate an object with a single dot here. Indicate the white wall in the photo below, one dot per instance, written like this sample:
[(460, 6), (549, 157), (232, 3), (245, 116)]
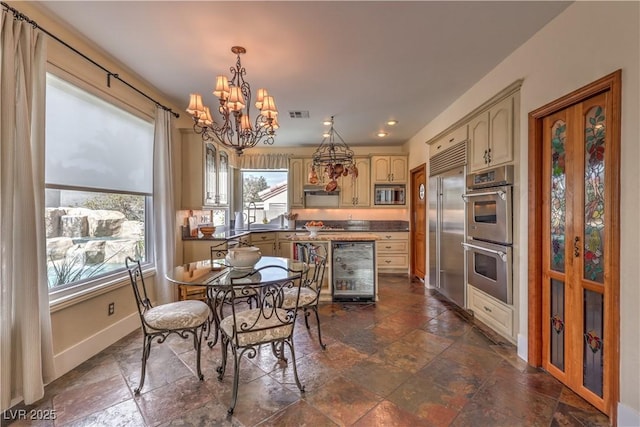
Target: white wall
[(587, 41)]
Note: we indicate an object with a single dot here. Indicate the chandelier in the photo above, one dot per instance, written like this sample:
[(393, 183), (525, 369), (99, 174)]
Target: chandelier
[(235, 130), (334, 157)]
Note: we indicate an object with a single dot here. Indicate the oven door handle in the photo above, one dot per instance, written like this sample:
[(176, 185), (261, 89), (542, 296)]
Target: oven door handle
[(500, 194), (502, 255)]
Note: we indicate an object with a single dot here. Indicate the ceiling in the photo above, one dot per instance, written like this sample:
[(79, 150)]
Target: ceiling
[(362, 62)]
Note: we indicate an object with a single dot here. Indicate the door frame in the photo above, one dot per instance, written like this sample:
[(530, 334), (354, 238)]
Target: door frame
[(613, 84), (420, 168)]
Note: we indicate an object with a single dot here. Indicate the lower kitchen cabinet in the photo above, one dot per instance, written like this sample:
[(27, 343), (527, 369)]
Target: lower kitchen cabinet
[(393, 252), (284, 247), (495, 314), (266, 242)]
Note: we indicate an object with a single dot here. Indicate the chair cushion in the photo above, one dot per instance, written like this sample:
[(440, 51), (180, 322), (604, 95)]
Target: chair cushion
[(177, 315), (307, 297), (249, 317)]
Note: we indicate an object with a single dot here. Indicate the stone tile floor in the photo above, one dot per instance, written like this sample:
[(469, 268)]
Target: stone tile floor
[(408, 360)]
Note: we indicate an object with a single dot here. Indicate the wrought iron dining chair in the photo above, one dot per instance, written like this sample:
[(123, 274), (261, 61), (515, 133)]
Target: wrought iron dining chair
[(311, 285), (183, 318), (244, 330)]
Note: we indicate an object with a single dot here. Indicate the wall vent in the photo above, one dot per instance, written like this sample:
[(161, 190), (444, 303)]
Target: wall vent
[(299, 114)]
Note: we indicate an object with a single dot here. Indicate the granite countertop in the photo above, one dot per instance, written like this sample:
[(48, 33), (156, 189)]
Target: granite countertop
[(342, 236), (340, 228)]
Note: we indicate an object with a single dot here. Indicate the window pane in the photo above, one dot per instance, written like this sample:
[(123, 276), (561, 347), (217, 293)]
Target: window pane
[(268, 190), (93, 144), (90, 234)]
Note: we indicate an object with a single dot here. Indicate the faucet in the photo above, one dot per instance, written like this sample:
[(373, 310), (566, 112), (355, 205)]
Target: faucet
[(255, 213)]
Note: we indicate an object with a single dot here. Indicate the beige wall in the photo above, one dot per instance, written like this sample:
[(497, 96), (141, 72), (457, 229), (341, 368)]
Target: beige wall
[(587, 41)]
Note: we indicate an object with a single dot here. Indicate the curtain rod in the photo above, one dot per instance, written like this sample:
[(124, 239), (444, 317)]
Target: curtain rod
[(22, 17)]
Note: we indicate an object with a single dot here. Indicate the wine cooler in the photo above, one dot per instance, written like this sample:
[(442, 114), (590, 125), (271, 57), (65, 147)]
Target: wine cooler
[(353, 271)]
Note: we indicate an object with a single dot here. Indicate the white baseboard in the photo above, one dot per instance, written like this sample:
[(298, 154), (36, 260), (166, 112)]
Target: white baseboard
[(523, 347), (627, 417), (84, 350)]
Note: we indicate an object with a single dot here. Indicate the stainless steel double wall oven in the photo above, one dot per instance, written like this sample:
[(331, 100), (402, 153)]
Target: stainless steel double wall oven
[(489, 225)]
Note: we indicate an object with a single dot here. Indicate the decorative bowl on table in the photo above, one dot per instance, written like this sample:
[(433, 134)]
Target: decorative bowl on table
[(243, 258), (207, 231), (313, 229)]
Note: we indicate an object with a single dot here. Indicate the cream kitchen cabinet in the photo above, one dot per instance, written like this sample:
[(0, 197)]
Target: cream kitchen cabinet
[(205, 173), (356, 192), (297, 178), (284, 246), (323, 179), (265, 241), (389, 169), (491, 312), (393, 252), (491, 136), (449, 140)]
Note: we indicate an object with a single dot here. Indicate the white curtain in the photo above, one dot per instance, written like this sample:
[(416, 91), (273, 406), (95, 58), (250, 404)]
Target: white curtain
[(26, 348), (262, 161), (164, 212)]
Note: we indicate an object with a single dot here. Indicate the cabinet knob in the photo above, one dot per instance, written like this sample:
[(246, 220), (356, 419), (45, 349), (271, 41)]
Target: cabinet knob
[(487, 309), (387, 261), (387, 247), (387, 237)]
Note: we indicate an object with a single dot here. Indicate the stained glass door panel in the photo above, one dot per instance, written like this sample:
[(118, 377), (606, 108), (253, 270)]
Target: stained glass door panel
[(575, 241)]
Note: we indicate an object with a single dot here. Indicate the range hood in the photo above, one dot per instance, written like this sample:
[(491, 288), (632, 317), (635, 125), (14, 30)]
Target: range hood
[(315, 196), (319, 190)]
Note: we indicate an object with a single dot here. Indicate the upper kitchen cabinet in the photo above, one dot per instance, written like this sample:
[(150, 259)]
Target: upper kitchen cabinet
[(449, 140), (205, 174), (297, 179), (216, 173), (356, 192), (389, 169), (314, 174), (491, 136)]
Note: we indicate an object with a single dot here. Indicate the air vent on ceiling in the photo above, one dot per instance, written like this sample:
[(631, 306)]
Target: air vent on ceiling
[(299, 114)]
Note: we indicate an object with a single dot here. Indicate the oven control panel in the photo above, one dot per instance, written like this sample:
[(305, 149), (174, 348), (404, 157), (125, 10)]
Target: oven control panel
[(502, 175)]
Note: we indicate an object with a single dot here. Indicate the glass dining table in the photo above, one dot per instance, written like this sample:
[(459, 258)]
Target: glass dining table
[(216, 276)]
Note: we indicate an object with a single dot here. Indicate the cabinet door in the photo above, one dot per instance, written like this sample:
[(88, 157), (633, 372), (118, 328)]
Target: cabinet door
[(363, 183), (322, 177), (210, 174), (223, 179), (479, 141), (284, 249), (296, 183), (501, 132), (266, 248), (347, 191), (381, 168), (398, 168)]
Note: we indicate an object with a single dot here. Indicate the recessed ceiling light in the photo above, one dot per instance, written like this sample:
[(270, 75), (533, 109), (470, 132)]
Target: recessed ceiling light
[(326, 122), (326, 135), (392, 122), (382, 134)]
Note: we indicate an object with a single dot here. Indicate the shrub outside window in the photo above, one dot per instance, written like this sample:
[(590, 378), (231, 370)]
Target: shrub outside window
[(98, 179)]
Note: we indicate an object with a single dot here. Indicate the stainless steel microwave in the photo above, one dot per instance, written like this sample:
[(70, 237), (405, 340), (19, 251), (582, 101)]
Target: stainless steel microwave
[(388, 194)]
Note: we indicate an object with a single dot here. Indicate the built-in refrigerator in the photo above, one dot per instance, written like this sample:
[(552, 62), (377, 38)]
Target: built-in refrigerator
[(353, 271), (446, 224)]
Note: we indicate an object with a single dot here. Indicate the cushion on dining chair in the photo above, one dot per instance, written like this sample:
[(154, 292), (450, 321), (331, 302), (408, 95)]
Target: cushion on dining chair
[(177, 315), (260, 328), (307, 296)]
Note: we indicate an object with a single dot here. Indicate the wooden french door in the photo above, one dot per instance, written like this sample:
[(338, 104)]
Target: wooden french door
[(579, 246), (418, 221)]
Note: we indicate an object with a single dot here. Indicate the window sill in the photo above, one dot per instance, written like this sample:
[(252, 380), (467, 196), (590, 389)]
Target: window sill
[(64, 298)]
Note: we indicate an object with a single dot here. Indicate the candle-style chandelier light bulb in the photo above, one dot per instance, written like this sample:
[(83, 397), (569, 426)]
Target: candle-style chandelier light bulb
[(235, 129)]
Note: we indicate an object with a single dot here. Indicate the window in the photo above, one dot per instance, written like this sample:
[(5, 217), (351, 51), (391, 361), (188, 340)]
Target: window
[(268, 190), (98, 179)]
